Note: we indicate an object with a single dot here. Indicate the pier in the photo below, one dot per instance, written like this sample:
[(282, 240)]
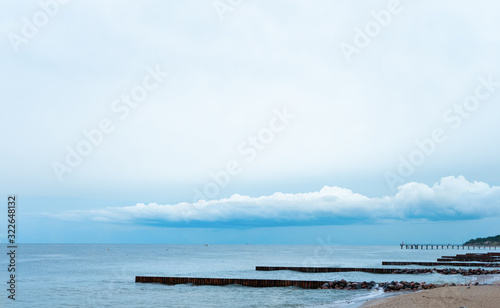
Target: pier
[(446, 246)]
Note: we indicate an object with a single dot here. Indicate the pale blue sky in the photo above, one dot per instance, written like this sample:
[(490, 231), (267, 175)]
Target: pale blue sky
[(351, 120)]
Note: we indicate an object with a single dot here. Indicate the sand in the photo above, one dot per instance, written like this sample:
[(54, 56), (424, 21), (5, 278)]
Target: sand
[(487, 296)]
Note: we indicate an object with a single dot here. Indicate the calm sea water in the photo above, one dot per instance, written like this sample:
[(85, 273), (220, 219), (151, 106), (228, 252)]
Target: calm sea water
[(74, 275)]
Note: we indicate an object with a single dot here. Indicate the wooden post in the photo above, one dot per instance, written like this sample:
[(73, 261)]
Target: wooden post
[(227, 281)]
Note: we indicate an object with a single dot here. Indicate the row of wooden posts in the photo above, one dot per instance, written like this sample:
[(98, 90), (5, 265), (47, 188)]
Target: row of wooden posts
[(307, 284), (261, 283), (326, 269)]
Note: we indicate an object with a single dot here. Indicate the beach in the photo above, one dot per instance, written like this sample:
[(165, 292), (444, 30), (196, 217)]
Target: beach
[(485, 296)]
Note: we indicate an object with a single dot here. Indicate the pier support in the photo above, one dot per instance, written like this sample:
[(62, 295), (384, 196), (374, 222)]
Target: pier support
[(448, 246)]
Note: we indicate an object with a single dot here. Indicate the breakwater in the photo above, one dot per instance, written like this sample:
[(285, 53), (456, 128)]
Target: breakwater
[(405, 271), (468, 264), (386, 286), (349, 285), (260, 283), (305, 284), (480, 257), (325, 269), (490, 259)]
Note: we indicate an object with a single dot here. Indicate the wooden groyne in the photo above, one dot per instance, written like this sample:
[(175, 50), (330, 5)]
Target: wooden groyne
[(490, 259), (326, 269), (259, 283), (481, 257), (263, 283), (468, 264), (393, 271), (446, 246)]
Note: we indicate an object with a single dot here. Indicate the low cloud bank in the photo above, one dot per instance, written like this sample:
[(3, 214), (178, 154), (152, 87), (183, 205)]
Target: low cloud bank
[(454, 198)]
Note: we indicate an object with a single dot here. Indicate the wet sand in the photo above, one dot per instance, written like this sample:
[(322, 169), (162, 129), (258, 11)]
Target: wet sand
[(486, 296)]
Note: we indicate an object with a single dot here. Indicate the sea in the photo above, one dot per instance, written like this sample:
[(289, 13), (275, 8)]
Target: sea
[(103, 275)]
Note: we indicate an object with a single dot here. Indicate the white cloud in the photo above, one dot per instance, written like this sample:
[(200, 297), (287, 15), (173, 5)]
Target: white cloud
[(454, 198)]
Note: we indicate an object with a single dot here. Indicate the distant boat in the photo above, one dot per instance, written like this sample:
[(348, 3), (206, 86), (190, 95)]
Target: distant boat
[(206, 245)]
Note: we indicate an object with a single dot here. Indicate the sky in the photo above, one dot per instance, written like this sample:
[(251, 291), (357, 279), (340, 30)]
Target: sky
[(260, 122)]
